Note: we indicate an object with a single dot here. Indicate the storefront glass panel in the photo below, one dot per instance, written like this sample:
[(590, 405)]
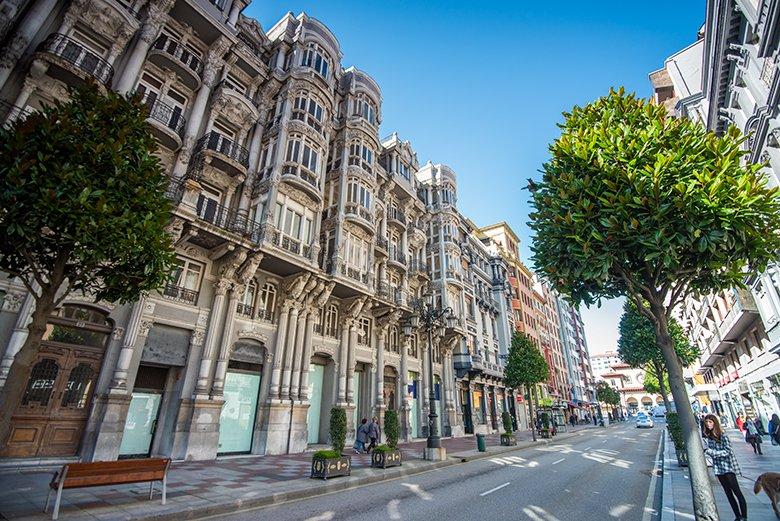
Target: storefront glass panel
[(140, 423), (237, 420)]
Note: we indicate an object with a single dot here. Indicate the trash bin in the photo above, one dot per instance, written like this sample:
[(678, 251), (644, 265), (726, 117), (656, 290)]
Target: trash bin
[(481, 443)]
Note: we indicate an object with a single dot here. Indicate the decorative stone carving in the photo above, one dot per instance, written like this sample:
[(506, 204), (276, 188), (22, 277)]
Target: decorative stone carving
[(12, 52), (144, 327), (117, 333), (296, 195), (89, 299), (248, 269), (253, 332), (197, 338), (13, 301), (230, 266), (149, 307), (294, 286), (175, 228)]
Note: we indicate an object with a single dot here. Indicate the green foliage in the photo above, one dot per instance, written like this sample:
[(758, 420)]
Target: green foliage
[(675, 430), (385, 447), (391, 427), (545, 417), (637, 344), (338, 429), (506, 419), (82, 198), (525, 365), (651, 384), (546, 402), (636, 202), (607, 394), (326, 454)]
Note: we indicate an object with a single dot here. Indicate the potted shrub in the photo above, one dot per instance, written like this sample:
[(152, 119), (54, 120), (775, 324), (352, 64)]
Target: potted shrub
[(388, 454), (676, 433), (330, 463), (545, 430), (508, 437)]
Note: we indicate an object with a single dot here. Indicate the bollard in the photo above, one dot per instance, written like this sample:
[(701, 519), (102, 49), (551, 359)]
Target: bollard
[(481, 443)]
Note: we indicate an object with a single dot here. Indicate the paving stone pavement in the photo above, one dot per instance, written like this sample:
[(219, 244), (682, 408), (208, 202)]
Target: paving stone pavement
[(677, 503), (196, 484)]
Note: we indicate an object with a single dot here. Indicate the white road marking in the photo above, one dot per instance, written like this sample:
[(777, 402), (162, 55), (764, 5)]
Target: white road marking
[(418, 491), (649, 511), (558, 461), (325, 516), (494, 489), (619, 510), (392, 509), (587, 448)]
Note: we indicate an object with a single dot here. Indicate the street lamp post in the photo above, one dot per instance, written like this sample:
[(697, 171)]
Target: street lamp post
[(430, 318)]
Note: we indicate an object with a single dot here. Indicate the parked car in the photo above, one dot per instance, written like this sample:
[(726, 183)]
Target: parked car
[(659, 411), (643, 421)]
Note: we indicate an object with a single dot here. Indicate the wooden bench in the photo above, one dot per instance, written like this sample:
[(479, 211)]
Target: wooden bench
[(100, 473)]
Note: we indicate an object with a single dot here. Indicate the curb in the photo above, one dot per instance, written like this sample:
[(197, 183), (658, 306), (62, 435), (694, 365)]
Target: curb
[(667, 494)]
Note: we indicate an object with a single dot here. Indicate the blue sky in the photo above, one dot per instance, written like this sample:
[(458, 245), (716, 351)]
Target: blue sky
[(480, 86)]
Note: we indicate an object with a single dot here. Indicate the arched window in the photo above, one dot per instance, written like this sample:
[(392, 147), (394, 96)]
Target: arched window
[(393, 344), (80, 382), (332, 321), (362, 155), (267, 302), (78, 325), (41, 383), (305, 153), (315, 57), (412, 350), (365, 108), (247, 305)]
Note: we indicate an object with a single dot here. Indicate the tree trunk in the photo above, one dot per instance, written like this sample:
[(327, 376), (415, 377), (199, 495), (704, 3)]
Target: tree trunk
[(20, 368), (531, 395), (659, 373), (704, 507)]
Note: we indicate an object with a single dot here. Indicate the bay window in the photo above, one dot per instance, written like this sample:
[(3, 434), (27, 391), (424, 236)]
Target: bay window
[(365, 109), (360, 154), (293, 222), (302, 151), (308, 110), (357, 252), (359, 193), (316, 58)]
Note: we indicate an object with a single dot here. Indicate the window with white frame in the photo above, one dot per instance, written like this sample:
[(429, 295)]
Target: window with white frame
[(357, 252), (412, 350), (393, 344), (315, 57), (247, 305), (302, 151), (362, 155), (364, 331), (331, 321), (448, 194), (294, 221), (365, 109), (359, 193), (186, 274), (403, 169), (308, 110), (267, 301)]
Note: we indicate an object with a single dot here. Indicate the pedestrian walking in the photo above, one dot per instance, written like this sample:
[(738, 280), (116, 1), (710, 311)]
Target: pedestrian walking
[(753, 436), (374, 433), (740, 422), (725, 465), (774, 429), (759, 424), (361, 436)]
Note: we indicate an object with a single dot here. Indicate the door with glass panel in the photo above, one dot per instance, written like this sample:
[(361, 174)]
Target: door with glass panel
[(207, 206), (316, 377), (140, 424), (237, 419), (50, 417)]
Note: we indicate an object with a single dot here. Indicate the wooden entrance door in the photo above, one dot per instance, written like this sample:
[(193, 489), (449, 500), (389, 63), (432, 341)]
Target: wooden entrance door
[(50, 417)]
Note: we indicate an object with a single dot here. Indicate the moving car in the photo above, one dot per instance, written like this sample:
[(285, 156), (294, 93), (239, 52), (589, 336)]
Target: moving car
[(659, 411), (643, 421)]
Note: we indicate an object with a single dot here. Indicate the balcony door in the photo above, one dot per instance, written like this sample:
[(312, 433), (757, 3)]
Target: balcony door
[(208, 204), (50, 417)]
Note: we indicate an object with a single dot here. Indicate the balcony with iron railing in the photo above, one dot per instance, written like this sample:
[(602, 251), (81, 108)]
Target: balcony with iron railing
[(361, 215), (354, 273), (418, 267), (74, 58), (389, 293), (224, 218), (302, 177), (172, 54), (246, 310), (227, 155), (180, 294), (306, 117), (10, 112), (289, 244), (265, 314), (167, 122), (396, 256), (380, 243), (396, 215)]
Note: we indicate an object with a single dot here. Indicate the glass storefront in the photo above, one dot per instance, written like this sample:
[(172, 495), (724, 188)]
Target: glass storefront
[(237, 420), (140, 423), (316, 376)]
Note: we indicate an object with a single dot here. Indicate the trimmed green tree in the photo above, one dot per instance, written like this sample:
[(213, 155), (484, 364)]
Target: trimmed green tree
[(338, 430), (525, 367), (391, 428), (634, 202), (638, 348), (607, 394), (82, 209), (506, 419)]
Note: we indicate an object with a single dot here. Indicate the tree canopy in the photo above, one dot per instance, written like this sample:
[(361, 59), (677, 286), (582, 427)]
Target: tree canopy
[(526, 365), (605, 393), (83, 198), (636, 202)]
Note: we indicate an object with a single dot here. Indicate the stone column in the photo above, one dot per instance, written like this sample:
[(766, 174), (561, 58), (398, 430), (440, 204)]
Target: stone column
[(119, 381), (301, 363), (343, 362), (202, 386), (218, 384), (235, 10), (27, 28), (405, 408), (254, 157), (18, 336), (281, 339), (150, 30), (351, 362), (294, 336), (380, 372)]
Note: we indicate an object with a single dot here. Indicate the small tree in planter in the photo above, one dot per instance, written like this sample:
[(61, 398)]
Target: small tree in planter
[(508, 437), (545, 417), (678, 438), (330, 463), (388, 455)]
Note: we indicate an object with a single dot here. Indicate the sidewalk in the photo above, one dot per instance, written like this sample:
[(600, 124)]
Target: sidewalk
[(677, 503), (197, 489)]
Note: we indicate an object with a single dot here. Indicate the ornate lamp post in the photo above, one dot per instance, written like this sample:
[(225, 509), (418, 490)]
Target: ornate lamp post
[(427, 316)]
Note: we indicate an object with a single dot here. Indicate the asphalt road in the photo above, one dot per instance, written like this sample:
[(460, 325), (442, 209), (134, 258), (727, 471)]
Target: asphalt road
[(598, 475)]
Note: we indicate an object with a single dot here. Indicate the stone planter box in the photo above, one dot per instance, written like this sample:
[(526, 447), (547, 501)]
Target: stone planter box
[(508, 440), (325, 468), (382, 460)]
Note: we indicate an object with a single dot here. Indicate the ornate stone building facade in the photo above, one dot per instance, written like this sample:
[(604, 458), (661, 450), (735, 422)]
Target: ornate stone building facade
[(302, 239)]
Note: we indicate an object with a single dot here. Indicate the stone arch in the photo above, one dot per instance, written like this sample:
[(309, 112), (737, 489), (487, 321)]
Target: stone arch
[(659, 400), (249, 350), (647, 401)]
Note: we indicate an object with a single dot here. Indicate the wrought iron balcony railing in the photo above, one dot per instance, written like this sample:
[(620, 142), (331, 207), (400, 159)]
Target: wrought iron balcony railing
[(79, 56)]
